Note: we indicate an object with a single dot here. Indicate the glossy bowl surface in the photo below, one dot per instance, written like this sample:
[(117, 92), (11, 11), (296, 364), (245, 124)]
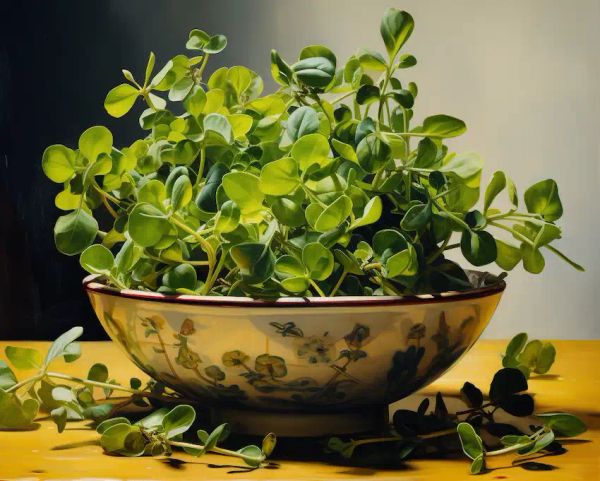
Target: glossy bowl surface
[(294, 354)]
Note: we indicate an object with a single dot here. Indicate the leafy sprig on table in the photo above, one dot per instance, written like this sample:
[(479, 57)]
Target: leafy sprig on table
[(70, 398), (316, 189), (422, 433)]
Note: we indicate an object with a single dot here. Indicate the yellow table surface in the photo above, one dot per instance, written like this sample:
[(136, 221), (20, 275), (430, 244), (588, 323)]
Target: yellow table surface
[(574, 386)]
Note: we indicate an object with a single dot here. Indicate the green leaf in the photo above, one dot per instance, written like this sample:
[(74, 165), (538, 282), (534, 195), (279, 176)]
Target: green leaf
[(311, 149), (334, 214), (61, 344), (147, 225), (178, 420), (207, 197), (371, 213), (507, 256), (94, 142), (113, 438), (7, 376), (533, 260), (345, 150), (314, 72), (373, 153), (195, 101), (244, 189), (215, 44), (565, 424), (515, 346), (545, 358), (478, 464), (197, 40), (229, 217), (426, 153), (180, 89), (288, 212), (471, 443), (97, 259), (417, 217), (23, 357), (497, 184), (288, 267), (153, 192), (254, 455), (371, 60), (182, 193), (478, 247), (507, 381), (98, 372), (59, 416), (464, 165), (443, 126), (542, 198), (396, 27), (15, 414), (279, 177), (120, 100), (268, 444), (219, 125), (255, 261), (407, 61), (403, 263), (303, 121), (74, 232), (182, 276), (318, 261), (367, 94), (282, 73), (58, 163)]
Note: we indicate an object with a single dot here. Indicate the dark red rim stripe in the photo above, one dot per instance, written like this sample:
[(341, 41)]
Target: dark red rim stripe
[(91, 285)]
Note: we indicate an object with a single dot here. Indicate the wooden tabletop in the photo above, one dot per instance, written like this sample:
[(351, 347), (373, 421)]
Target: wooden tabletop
[(573, 386)]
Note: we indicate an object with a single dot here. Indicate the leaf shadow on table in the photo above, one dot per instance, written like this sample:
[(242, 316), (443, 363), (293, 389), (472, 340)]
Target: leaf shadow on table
[(31, 427)]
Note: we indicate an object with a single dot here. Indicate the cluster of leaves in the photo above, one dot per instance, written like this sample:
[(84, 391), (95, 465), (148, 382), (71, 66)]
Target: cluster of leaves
[(418, 433), (533, 356), (69, 398), (157, 433), (315, 188)]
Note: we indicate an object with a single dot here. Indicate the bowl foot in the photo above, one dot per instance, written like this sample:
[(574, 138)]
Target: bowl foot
[(303, 424)]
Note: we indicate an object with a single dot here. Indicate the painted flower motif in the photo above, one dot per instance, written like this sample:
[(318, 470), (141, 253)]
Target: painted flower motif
[(315, 349), (358, 336), (235, 358), (187, 328), (157, 322), (215, 373), (273, 366), (187, 358)]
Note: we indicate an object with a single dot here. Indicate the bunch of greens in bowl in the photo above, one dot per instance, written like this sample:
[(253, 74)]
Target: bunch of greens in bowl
[(326, 187)]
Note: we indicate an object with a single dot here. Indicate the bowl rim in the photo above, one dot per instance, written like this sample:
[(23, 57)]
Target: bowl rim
[(92, 285)]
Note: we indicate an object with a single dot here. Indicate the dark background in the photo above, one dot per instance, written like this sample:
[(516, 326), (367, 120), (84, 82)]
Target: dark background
[(58, 59)]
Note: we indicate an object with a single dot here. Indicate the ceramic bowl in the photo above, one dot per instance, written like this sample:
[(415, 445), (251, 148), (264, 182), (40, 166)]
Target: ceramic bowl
[(297, 366)]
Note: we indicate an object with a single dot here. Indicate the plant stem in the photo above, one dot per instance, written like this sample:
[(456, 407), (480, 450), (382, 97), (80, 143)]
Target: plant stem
[(317, 288), (201, 166), (342, 97), (565, 258), (114, 387), (338, 283), (215, 449), (201, 240), (518, 235)]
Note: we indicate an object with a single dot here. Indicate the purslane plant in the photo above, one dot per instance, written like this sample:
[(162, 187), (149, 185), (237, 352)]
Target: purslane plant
[(326, 187), (168, 425), (70, 398), (426, 431)]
